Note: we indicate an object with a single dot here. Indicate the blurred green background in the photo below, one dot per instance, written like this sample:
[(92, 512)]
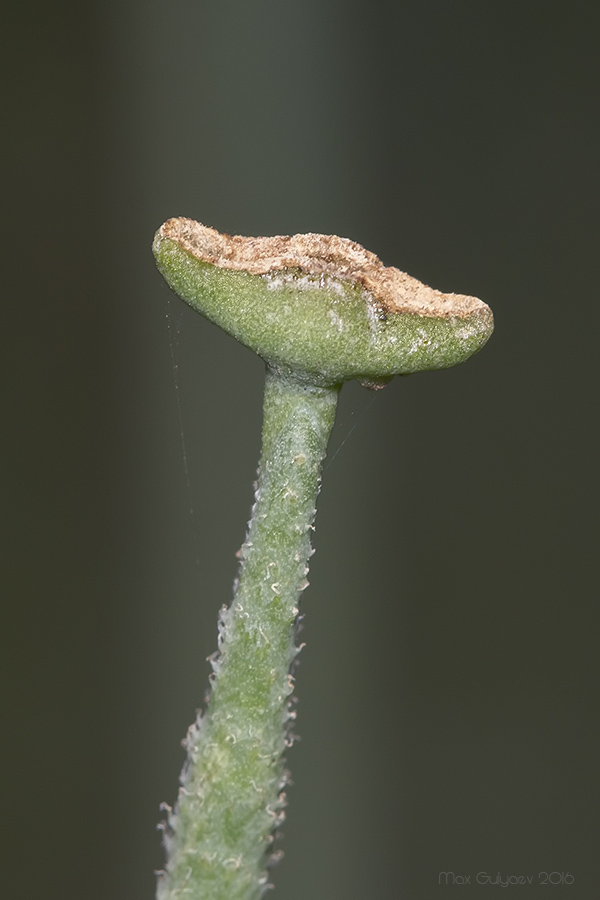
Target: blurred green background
[(450, 683)]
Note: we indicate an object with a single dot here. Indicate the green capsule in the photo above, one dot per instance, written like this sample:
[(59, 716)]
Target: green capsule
[(319, 307)]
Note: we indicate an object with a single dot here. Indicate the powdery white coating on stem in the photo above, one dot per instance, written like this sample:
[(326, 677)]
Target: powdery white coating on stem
[(231, 803), (320, 254)]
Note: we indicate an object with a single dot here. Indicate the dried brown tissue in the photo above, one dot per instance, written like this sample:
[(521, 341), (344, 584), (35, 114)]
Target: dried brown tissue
[(322, 254)]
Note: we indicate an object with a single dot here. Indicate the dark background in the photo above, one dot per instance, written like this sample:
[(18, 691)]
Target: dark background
[(450, 683)]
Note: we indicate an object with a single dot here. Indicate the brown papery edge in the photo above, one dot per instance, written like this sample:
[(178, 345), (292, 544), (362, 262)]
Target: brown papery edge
[(321, 254)]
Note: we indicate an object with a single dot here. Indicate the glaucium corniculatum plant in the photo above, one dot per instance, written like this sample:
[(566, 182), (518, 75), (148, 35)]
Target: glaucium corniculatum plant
[(320, 310)]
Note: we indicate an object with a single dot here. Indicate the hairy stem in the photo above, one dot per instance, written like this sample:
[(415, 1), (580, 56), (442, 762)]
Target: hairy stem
[(231, 798)]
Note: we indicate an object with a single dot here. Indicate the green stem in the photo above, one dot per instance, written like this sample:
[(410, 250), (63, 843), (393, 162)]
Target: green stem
[(231, 797)]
